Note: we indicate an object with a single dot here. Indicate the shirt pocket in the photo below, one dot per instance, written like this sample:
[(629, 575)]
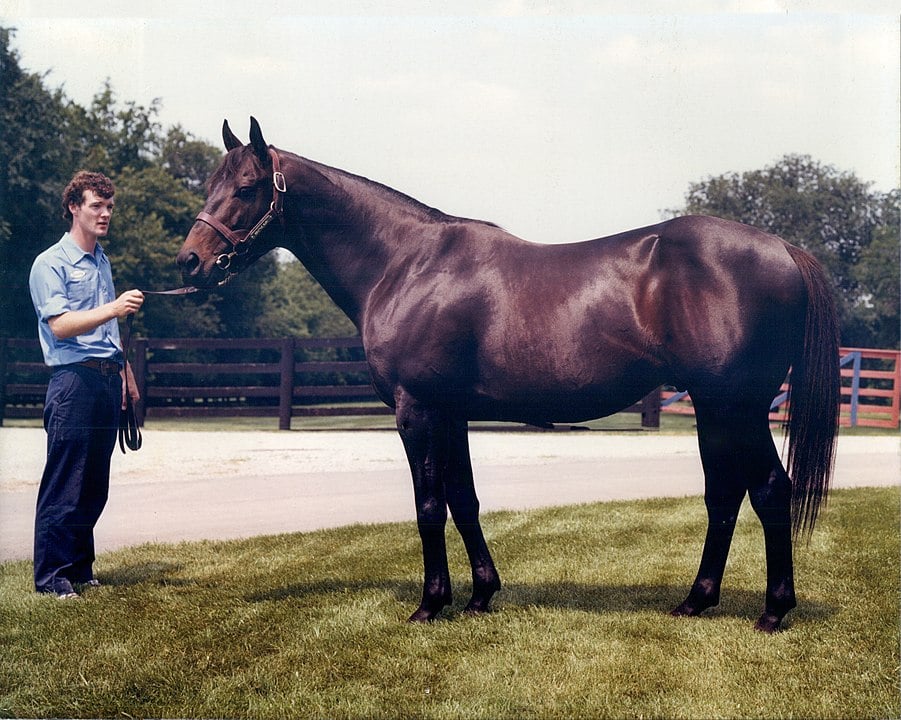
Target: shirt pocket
[(81, 288)]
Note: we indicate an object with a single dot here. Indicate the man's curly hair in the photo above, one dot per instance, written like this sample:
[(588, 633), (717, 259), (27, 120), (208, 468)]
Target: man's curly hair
[(81, 181)]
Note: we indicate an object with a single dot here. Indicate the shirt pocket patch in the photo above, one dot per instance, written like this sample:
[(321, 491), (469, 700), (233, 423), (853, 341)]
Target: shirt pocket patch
[(80, 287)]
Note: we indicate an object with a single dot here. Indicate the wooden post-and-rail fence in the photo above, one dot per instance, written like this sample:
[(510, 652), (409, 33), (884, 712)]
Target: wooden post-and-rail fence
[(246, 377), (303, 377)]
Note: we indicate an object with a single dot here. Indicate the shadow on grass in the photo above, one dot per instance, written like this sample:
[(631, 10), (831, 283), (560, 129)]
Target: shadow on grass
[(599, 599), (155, 573)]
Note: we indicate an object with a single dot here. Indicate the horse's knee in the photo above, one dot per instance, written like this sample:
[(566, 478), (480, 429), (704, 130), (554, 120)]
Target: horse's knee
[(414, 423)]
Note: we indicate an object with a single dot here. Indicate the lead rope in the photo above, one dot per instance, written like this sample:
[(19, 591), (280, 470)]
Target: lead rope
[(129, 431)]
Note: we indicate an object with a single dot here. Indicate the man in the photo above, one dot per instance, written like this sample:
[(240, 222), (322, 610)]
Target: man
[(72, 290)]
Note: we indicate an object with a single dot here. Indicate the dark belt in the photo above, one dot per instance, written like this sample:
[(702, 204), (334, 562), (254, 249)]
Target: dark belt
[(103, 366)]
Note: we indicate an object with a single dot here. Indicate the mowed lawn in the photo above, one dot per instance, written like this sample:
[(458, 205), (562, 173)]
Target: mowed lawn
[(313, 625)]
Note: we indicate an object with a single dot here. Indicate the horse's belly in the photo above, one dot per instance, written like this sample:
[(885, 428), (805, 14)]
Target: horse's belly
[(560, 399), (551, 409)]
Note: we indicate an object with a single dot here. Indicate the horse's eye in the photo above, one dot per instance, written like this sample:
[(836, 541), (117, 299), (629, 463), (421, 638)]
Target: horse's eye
[(246, 193)]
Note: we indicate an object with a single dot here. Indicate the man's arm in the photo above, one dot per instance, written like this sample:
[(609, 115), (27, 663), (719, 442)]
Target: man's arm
[(78, 322)]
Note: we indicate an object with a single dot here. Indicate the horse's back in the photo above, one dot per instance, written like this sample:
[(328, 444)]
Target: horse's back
[(583, 329)]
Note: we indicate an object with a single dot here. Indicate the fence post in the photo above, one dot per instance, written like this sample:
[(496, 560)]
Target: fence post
[(650, 409), (139, 369), (855, 387), (2, 379), (286, 384), (896, 390)]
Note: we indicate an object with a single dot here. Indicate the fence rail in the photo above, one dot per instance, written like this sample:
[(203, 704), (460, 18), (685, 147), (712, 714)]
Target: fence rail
[(316, 377), (190, 377), (871, 385)]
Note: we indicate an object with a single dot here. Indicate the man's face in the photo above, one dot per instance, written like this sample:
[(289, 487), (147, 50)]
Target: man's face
[(92, 217)]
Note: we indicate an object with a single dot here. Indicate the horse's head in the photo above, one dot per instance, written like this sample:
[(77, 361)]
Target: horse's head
[(244, 194)]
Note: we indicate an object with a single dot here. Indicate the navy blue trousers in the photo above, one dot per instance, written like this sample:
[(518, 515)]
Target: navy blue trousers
[(81, 417)]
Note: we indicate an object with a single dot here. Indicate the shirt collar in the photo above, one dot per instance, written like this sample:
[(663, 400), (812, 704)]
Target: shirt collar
[(74, 253)]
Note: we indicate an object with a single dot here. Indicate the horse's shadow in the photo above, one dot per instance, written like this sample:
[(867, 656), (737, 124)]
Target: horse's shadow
[(563, 595), (596, 599)]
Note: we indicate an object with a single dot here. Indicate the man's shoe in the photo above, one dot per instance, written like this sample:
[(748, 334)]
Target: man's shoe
[(61, 589), (93, 583)]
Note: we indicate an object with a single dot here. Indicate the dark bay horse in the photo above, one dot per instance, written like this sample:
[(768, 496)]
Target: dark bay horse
[(462, 321)]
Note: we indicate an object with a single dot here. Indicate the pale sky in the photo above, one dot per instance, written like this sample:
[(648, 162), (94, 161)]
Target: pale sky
[(559, 120)]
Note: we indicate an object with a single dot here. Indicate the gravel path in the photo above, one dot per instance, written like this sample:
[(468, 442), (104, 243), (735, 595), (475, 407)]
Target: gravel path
[(216, 485)]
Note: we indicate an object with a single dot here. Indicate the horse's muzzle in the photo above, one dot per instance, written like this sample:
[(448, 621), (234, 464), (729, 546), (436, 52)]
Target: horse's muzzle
[(190, 264)]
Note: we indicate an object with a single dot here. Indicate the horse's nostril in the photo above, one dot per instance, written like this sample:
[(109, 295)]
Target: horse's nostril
[(190, 263)]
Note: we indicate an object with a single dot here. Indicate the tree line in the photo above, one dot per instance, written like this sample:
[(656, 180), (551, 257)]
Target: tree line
[(160, 176)]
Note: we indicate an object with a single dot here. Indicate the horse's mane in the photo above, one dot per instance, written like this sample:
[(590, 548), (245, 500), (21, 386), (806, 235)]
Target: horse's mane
[(433, 214), (233, 160)]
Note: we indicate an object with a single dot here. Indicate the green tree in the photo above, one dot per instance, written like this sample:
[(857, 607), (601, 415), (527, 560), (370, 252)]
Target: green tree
[(297, 306), (852, 229), (153, 213), (45, 138), (36, 160), (190, 160), (111, 137), (877, 315)]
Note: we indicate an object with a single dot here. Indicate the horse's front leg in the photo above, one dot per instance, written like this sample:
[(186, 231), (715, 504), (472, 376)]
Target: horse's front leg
[(425, 437), (464, 507)]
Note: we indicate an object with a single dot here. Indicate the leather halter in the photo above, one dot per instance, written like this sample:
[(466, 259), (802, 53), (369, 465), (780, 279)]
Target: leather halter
[(240, 246)]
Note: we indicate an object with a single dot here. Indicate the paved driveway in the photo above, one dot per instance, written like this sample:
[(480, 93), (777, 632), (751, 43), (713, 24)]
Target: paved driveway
[(218, 485)]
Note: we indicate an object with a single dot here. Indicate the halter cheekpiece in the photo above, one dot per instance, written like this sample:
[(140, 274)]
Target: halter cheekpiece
[(240, 246)]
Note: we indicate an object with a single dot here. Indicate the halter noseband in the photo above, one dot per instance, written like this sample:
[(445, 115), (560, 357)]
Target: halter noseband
[(240, 247)]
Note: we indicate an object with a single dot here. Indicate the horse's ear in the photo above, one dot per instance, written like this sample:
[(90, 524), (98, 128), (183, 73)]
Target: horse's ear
[(228, 137), (256, 139)]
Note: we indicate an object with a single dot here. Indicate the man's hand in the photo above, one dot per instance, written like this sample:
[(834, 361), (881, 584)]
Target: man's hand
[(127, 303), (78, 322)]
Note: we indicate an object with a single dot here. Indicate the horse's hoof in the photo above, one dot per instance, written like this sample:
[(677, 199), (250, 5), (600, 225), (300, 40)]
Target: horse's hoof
[(768, 623), (694, 605), (480, 607), (426, 613), (686, 609), (422, 616), (480, 602)]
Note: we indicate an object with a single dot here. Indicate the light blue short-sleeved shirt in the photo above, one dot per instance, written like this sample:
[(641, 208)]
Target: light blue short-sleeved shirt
[(64, 277)]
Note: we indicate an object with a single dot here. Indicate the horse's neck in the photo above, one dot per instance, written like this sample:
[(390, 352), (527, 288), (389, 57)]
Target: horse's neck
[(349, 232)]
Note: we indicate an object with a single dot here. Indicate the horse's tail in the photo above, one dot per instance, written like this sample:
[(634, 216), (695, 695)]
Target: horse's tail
[(815, 397)]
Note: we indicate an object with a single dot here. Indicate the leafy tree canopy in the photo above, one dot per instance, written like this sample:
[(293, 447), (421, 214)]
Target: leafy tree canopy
[(852, 229), (159, 177)]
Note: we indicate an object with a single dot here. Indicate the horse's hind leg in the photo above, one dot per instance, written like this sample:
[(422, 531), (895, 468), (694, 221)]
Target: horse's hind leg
[(770, 495), (464, 507), (738, 456), (723, 494)]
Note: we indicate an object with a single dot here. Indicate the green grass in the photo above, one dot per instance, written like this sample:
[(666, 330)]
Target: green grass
[(313, 625)]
